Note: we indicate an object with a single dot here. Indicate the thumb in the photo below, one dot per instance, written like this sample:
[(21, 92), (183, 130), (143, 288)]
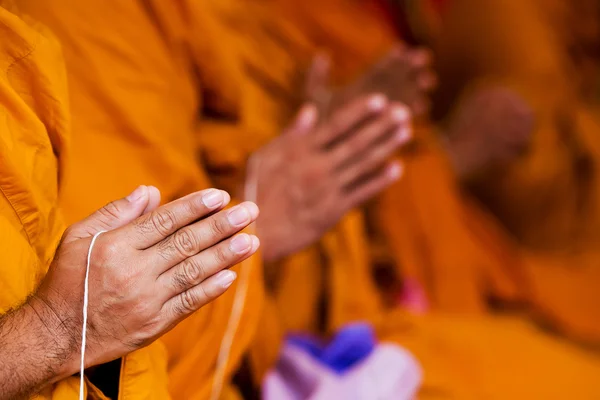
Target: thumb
[(305, 120), (117, 213), (317, 79)]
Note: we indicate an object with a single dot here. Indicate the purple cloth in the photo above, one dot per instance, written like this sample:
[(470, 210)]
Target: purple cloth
[(350, 345), (388, 373)]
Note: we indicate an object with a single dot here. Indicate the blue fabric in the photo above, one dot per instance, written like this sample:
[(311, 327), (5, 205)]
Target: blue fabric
[(350, 345)]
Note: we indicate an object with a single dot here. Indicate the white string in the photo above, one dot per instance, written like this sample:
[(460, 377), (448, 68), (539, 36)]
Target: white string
[(250, 192), (85, 315)]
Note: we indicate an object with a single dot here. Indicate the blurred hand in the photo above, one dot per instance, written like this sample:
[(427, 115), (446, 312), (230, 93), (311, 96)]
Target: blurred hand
[(403, 75), (148, 273), (312, 175), (491, 127)]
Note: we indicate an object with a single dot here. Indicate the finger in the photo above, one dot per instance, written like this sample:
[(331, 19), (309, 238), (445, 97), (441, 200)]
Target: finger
[(196, 269), (361, 144), (114, 215), (151, 228), (305, 121), (427, 80), (420, 58), (373, 186), (194, 238), (397, 53), (193, 299), (349, 117), (373, 159), (153, 199), (317, 79)]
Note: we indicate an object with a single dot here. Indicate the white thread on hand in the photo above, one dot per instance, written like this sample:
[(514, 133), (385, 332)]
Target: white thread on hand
[(85, 315), (250, 193)]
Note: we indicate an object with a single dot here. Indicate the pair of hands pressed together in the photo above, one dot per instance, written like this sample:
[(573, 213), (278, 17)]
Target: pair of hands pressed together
[(337, 153), (150, 270)]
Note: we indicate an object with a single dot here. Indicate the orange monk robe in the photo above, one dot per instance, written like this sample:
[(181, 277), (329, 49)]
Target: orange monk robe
[(35, 126), (147, 81), (461, 254)]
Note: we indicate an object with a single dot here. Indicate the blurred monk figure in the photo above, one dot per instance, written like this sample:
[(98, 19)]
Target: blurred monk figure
[(520, 133), (495, 220), (160, 95)]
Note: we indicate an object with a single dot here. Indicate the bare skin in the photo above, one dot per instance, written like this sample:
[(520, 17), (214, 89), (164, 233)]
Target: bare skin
[(148, 272), (404, 75), (490, 128), (338, 153), (313, 174)]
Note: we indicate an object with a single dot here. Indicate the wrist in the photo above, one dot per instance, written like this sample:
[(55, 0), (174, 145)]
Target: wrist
[(33, 349), (58, 333)]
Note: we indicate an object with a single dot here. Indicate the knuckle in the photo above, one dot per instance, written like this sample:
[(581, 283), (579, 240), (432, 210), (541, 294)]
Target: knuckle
[(107, 251), (185, 242), (144, 224), (111, 210), (177, 309), (218, 225), (195, 206), (166, 249), (180, 280), (188, 302), (163, 221), (193, 272), (221, 257)]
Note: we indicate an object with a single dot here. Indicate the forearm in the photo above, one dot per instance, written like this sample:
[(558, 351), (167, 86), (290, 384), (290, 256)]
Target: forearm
[(35, 350)]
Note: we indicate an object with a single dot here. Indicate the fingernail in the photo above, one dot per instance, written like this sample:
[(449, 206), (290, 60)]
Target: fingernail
[(305, 120), (403, 135), (213, 198), (137, 194), (240, 243), (252, 208), (400, 114), (238, 216), (377, 102), (255, 242), (308, 117), (225, 278), (395, 171)]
